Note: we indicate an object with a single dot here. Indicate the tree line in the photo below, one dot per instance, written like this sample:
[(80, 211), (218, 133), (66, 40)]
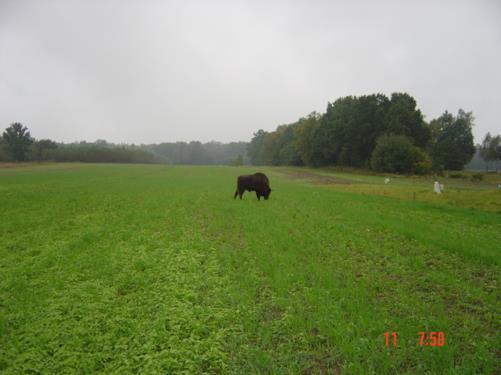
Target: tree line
[(17, 144), (369, 131), (200, 153), (372, 131)]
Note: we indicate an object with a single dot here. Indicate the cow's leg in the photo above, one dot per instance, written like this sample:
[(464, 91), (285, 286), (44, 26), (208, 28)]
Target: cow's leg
[(241, 192), (236, 193), (258, 196)]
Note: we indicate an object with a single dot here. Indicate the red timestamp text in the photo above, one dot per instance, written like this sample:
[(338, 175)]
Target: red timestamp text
[(432, 338)]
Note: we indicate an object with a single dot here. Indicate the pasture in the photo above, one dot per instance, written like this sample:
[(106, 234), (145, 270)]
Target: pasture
[(156, 269)]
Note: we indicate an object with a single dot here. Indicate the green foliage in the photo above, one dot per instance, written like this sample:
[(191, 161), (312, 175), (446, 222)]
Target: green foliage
[(345, 135), (238, 161), (280, 147), (422, 161), (287, 151), (396, 154), (42, 149), (99, 152), (456, 175), (151, 269), (491, 147), (197, 153), (4, 156), (224, 153), (16, 141), (16, 144), (404, 118), (350, 127), (305, 131), (452, 145), (271, 147), (490, 150), (477, 177), (255, 149)]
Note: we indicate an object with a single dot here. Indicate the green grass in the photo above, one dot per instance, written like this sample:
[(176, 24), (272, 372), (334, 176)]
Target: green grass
[(461, 193), (156, 269)]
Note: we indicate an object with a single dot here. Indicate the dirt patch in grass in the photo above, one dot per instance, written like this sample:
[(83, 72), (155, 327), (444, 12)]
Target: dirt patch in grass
[(8, 165), (27, 164), (314, 178), (43, 166), (320, 365)]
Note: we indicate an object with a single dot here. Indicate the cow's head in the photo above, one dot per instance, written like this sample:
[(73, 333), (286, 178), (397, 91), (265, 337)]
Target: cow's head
[(266, 193)]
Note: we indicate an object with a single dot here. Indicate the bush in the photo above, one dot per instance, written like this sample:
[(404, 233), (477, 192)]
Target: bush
[(477, 177), (238, 161), (422, 161), (456, 175), (396, 154)]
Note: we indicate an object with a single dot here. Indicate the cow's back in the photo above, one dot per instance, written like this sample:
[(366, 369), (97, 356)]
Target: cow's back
[(262, 178), (256, 181)]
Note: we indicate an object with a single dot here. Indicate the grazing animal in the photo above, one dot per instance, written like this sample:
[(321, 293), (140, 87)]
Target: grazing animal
[(257, 182)]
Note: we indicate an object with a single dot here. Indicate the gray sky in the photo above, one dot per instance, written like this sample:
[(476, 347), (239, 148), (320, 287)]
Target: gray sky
[(153, 71)]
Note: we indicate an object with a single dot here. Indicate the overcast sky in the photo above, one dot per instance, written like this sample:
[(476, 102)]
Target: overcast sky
[(153, 71)]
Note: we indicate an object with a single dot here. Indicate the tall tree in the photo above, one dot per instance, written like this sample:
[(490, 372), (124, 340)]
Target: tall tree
[(452, 144), (3, 153), (271, 147), (255, 149), (17, 140), (286, 151), (491, 149), (303, 138), (40, 149), (349, 129), (404, 118)]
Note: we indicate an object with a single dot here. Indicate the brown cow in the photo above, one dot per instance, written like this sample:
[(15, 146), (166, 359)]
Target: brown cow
[(257, 182)]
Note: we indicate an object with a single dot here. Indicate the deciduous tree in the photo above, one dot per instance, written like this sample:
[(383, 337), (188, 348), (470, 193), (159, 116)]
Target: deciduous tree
[(491, 149), (17, 140), (452, 143)]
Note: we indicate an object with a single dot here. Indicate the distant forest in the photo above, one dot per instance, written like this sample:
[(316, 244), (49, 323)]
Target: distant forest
[(199, 153), (387, 134), (102, 151)]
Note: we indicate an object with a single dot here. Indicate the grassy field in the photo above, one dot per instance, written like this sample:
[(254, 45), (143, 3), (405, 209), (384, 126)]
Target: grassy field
[(156, 269)]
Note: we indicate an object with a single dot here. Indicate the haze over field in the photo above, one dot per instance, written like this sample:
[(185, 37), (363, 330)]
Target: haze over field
[(153, 71)]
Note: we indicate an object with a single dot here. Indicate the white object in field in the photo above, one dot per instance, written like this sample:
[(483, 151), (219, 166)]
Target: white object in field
[(437, 188), (442, 188), (386, 180)]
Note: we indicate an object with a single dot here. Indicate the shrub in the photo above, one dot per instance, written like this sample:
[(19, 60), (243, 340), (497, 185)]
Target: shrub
[(456, 175), (422, 161), (238, 161), (477, 177), (396, 154)]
